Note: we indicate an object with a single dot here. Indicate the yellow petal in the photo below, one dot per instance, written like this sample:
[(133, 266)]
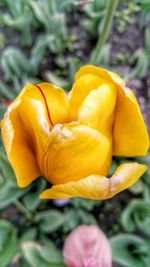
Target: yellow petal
[(25, 127), (35, 122), (129, 126), (98, 187), (87, 79), (130, 133), (102, 73), (53, 98), (97, 111), (18, 147), (75, 151), (80, 90)]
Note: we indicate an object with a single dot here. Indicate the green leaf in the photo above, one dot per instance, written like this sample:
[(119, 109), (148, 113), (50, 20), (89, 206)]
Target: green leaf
[(144, 160), (137, 188), (47, 13), (54, 78), (15, 65), (141, 68), (39, 49), (25, 264), (86, 204), (5, 167), (63, 4), (40, 12), (29, 235), (50, 251), (75, 217), (8, 242), (31, 200), (86, 218), (137, 214), (147, 39), (32, 253), (50, 221), (16, 16), (6, 91), (59, 41), (130, 250), (8, 194), (103, 56), (72, 219), (96, 9), (37, 255), (74, 64), (89, 25)]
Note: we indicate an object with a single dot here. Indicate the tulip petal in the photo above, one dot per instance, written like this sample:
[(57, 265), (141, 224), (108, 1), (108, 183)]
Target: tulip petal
[(54, 97), (17, 144), (130, 134), (97, 111), (33, 115), (129, 126), (102, 73), (98, 187), (80, 90), (76, 151), (26, 127)]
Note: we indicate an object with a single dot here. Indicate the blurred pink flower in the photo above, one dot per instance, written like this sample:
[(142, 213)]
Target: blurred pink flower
[(87, 246)]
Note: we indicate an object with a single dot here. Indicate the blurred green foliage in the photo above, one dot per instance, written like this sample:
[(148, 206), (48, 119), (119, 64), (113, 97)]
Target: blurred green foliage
[(46, 33), (130, 250), (137, 215), (8, 242), (39, 40), (141, 58)]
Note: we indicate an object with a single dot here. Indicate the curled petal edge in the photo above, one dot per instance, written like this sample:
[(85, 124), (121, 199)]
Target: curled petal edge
[(98, 187)]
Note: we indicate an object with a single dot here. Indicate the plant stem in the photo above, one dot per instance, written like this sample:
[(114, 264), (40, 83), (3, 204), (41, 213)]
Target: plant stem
[(112, 4), (23, 209)]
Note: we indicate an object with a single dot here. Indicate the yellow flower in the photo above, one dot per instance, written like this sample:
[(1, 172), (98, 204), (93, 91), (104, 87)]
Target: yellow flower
[(71, 140)]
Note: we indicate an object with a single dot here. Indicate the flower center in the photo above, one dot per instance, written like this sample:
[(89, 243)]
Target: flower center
[(46, 105)]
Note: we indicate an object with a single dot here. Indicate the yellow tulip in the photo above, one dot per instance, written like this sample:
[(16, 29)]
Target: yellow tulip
[(70, 140)]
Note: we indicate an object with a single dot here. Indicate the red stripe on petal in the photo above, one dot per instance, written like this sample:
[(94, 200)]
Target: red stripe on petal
[(46, 105)]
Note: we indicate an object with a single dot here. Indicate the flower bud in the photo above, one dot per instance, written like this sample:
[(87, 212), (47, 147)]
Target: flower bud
[(87, 246)]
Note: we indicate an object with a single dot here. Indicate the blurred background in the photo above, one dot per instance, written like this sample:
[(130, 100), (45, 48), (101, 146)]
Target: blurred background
[(48, 40)]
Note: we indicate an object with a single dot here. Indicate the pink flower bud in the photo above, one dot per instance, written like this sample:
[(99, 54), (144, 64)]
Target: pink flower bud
[(87, 246)]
